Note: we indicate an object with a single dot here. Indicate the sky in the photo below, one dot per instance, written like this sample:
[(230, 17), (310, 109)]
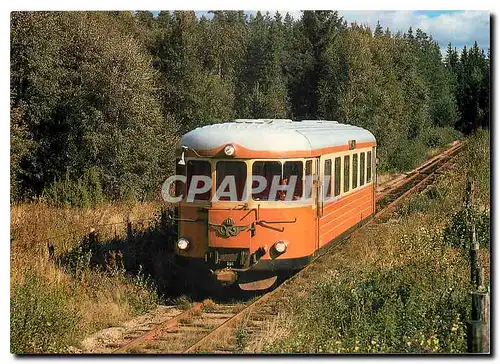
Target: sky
[(455, 26), (458, 27)]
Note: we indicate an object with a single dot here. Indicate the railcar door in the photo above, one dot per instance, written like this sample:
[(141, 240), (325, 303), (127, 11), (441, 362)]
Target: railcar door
[(319, 188), (319, 200)]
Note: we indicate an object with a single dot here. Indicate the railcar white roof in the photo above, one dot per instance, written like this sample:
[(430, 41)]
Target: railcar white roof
[(276, 135)]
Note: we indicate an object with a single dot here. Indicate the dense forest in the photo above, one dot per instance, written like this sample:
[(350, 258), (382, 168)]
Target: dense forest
[(99, 99)]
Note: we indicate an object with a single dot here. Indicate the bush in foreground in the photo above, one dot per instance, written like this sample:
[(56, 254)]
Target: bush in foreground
[(41, 319)]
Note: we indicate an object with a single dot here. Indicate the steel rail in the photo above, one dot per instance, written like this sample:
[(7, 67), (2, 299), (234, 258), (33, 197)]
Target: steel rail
[(419, 170), (408, 192), (167, 325)]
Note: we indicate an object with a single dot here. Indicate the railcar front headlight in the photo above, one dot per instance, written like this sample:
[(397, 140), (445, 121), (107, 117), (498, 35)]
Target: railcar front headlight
[(229, 150), (280, 246), (183, 244)]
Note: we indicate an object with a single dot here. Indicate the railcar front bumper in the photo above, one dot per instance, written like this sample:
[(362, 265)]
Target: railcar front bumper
[(259, 276)]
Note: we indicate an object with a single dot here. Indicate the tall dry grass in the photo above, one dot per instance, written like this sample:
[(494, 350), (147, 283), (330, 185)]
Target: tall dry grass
[(53, 305)]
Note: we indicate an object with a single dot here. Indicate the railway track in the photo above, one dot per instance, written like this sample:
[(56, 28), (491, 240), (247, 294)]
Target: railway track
[(207, 327), (415, 181)]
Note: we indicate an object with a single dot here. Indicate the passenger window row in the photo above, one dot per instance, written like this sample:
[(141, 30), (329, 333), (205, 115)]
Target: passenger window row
[(361, 162), (355, 174)]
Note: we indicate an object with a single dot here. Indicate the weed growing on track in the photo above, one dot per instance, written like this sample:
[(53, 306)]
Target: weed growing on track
[(398, 287), (241, 338)]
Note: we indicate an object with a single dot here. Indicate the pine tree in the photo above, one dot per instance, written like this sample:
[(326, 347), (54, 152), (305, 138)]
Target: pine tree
[(409, 34), (451, 60), (378, 30), (318, 30), (261, 90)]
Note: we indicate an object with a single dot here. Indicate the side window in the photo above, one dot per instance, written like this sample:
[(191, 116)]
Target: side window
[(327, 180), (354, 170), (368, 167), (346, 173), (337, 176), (362, 169), (294, 169), (308, 181)]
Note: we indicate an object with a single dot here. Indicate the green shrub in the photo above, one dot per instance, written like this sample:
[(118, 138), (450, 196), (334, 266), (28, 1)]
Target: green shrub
[(421, 202), (475, 161), (92, 182), (141, 295), (40, 319), (78, 260), (440, 136), (410, 153), (84, 192), (407, 157), (408, 309)]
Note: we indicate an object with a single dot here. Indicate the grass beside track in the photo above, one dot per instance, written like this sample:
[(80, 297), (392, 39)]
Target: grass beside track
[(57, 302)]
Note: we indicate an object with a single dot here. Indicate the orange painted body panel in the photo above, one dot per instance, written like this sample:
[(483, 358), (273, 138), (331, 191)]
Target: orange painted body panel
[(340, 215), (299, 235), (195, 232)]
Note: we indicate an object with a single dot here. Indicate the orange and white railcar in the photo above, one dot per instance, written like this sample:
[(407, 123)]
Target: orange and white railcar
[(253, 239)]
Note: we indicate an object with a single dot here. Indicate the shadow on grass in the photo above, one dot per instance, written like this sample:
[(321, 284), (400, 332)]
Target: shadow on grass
[(148, 251)]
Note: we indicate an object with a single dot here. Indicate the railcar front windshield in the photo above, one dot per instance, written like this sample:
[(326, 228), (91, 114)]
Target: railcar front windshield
[(268, 171), (231, 177)]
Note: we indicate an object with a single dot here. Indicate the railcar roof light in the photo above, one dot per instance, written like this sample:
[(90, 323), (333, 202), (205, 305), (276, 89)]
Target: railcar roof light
[(229, 150)]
